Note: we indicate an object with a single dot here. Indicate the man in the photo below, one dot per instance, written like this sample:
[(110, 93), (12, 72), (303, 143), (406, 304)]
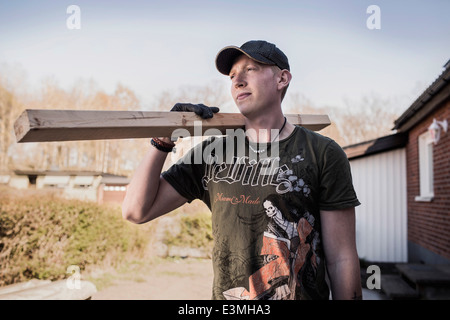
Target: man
[(280, 222)]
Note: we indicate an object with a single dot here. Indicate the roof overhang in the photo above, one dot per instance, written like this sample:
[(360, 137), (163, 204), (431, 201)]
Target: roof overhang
[(431, 99), (372, 147)]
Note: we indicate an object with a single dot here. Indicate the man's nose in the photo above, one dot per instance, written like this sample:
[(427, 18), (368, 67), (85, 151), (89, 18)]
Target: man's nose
[(239, 80)]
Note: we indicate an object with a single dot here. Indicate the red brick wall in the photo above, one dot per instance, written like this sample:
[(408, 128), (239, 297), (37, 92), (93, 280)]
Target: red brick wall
[(429, 222), (110, 196)]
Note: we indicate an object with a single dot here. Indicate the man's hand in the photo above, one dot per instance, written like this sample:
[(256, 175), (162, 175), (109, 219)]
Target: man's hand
[(200, 109)]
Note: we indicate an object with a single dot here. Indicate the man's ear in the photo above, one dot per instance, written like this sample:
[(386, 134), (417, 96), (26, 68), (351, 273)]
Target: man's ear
[(284, 79)]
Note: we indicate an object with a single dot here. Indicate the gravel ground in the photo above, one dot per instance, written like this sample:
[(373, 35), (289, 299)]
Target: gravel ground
[(166, 280)]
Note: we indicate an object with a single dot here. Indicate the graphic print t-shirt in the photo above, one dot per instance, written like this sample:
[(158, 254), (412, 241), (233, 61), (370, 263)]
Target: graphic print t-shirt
[(266, 211)]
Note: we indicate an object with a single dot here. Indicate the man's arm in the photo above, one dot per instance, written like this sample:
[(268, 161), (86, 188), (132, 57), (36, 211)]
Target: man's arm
[(339, 241), (149, 195)]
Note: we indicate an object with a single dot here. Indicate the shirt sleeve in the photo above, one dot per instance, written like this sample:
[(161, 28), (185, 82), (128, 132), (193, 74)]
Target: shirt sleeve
[(185, 175), (336, 185)]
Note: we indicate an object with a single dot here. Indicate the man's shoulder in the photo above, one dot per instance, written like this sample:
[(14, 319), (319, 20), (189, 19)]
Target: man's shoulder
[(319, 144), (312, 136)]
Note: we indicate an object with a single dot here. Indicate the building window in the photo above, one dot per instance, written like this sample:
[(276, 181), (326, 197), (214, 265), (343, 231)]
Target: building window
[(425, 168), (114, 188)]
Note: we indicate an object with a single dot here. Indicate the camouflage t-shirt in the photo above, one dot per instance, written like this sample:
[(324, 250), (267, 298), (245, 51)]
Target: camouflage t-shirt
[(266, 210)]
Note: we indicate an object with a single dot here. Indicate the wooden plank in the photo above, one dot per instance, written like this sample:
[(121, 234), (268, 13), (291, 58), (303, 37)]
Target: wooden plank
[(35, 125)]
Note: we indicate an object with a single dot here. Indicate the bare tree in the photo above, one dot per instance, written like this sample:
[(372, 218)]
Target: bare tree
[(8, 111), (95, 155), (362, 119), (11, 83), (298, 103), (214, 94), (368, 118)]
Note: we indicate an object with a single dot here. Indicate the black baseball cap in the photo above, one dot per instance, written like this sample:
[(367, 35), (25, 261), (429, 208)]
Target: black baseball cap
[(259, 50)]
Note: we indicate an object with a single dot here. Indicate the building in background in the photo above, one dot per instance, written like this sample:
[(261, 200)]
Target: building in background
[(83, 185), (428, 168), (403, 182), (379, 178)]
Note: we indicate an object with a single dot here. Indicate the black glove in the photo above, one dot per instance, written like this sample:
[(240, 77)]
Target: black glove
[(200, 109)]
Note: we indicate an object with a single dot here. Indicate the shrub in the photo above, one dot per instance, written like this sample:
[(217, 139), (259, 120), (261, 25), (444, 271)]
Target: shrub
[(195, 231), (40, 236)]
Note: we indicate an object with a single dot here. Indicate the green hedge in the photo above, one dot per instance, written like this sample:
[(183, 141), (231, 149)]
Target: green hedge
[(195, 231), (41, 236)]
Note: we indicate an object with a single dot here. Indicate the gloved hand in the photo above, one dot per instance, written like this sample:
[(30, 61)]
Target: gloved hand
[(200, 109)]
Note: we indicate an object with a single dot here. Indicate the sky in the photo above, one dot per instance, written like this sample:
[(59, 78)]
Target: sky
[(159, 46)]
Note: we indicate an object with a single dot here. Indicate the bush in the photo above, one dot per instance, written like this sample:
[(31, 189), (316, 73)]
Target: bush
[(41, 236), (195, 231)]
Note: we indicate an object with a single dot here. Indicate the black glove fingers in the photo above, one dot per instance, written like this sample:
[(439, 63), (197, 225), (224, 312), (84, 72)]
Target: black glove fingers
[(214, 109), (204, 111), (200, 109)]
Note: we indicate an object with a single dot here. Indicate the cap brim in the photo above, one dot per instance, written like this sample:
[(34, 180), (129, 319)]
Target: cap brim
[(226, 57)]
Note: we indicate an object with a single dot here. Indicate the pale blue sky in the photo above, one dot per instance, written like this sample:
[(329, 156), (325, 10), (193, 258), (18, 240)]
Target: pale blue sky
[(151, 46)]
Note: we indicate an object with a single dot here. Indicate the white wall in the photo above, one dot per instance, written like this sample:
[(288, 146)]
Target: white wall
[(381, 219)]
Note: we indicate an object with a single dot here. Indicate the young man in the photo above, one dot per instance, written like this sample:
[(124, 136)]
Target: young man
[(280, 222)]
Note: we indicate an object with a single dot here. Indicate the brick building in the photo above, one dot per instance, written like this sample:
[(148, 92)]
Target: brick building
[(403, 182), (428, 173)]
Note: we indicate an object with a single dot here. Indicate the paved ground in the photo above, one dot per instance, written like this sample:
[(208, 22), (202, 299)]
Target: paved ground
[(175, 280)]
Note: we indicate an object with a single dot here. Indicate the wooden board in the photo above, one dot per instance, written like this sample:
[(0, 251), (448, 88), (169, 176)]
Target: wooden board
[(36, 125)]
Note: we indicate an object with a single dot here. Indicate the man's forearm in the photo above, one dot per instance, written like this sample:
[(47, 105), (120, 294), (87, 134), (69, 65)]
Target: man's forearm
[(345, 279), (143, 188)]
